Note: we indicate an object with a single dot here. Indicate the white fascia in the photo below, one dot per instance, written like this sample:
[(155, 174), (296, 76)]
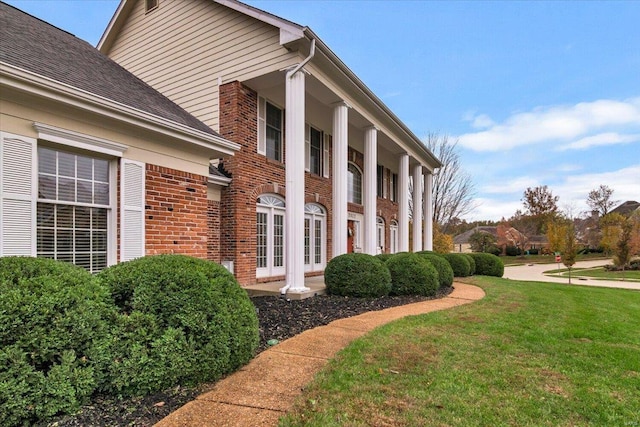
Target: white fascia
[(219, 180), (45, 87)]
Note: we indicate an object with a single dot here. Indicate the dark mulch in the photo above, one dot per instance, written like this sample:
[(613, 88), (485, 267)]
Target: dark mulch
[(279, 318)]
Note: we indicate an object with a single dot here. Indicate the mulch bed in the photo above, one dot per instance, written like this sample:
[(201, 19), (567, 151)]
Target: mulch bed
[(279, 319)]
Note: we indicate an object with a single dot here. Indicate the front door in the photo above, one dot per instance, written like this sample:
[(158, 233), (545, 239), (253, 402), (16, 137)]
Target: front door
[(350, 233)]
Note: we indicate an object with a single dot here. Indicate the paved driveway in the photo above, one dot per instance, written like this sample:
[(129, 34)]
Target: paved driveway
[(535, 272)]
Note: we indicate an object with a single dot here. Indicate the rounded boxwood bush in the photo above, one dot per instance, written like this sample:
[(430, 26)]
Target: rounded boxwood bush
[(472, 264), (459, 263), (488, 264), (411, 274), (357, 275), (54, 338), (182, 320), (383, 257), (445, 272)]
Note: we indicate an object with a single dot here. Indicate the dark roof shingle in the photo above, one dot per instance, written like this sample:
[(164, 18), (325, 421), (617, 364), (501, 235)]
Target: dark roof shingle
[(31, 44)]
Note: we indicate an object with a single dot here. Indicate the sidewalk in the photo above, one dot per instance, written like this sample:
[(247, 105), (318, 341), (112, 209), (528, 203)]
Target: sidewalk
[(535, 272), (265, 389)]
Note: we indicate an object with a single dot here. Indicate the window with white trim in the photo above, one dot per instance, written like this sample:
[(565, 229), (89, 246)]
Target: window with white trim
[(380, 181), (73, 208), (393, 231), (270, 127), (354, 184), (316, 149), (315, 237), (394, 187), (380, 235), (270, 211)]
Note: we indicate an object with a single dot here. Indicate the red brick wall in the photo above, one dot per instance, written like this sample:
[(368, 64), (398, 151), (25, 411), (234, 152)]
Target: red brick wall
[(213, 231), (254, 174), (176, 212)]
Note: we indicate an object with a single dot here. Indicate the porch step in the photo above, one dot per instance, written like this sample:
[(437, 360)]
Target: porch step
[(315, 284)]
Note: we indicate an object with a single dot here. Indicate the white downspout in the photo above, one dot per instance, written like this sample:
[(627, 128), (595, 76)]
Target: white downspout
[(312, 52)]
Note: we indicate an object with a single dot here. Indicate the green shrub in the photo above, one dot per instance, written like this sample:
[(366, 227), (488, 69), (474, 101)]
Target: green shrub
[(384, 257), (411, 274), (513, 251), (488, 264), (182, 321), (445, 272), (357, 275), (459, 263), (54, 338), (472, 264)]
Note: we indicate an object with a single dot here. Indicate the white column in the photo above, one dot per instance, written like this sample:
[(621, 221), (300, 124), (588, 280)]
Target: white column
[(403, 204), (428, 211), (294, 175), (340, 154), (417, 208), (369, 189)]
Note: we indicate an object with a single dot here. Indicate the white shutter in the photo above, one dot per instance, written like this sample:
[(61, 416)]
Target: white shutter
[(18, 195), (131, 209), (325, 160), (262, 126), (307, 147)]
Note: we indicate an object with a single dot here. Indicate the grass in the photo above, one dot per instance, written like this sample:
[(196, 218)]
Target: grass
[(598, 273), (545, 259), (528, 354)]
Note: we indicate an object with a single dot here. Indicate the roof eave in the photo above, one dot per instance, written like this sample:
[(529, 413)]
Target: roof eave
[(45, 87)]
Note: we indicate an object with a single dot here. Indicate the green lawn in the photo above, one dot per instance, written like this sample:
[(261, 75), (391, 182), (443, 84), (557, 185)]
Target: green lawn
[(545, 259), (528, 354)]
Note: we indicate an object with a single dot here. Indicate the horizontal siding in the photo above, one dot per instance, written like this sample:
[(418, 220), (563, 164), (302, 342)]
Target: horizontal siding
[(183, 47)]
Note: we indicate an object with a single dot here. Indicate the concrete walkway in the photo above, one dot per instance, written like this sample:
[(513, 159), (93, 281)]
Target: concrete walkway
[(265, 389), (535, 272)]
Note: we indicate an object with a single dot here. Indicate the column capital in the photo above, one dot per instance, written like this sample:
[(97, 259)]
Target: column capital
[(371, 127), (341, 104)]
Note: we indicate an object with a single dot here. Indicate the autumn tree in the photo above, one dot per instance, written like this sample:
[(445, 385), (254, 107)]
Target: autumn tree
[(541, 205), (442, 243), (611, 228), (453, 190), (622, 253), (570, 252), (483, 242), (556, 234), (599, 200)]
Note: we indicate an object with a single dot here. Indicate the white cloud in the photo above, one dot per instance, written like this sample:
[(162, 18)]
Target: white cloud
[(607, 138), (491, 209), (506, 186), (555, 123)]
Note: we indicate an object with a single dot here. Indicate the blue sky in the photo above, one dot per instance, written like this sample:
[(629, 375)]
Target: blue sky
[(536, 93)]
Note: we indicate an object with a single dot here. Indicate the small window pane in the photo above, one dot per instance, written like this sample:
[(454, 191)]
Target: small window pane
[(47, 187), (46, 161), (101, 195), (85, 168), (101, 170), (46, 241), (84, 192), (99, 219), (65, 241), (67, 189), (83, 218), (99, 241), (66, 164), (46, 215), (64, 216), (83, 241)]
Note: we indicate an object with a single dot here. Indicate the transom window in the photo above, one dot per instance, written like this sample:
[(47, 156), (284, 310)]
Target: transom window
[(354, 184), (273, 132), (73, 208)]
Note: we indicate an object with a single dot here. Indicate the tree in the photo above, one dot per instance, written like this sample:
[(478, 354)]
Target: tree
[(622, 254), (482, 242), (442, 243), (599, 200), (570, 247), (541, 205), (556, 234), (611, 228), (453, 189)]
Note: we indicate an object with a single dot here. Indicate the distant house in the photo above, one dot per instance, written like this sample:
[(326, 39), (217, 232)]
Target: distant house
[(627, 208), (505, 236)]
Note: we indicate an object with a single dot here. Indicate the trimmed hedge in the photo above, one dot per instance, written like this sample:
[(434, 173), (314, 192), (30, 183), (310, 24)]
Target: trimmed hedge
[(445, 272), (54, 338), (488, 264), (472, 263), (357, 275), (182, 321), (411, 274), (384, 257), (459, 263)]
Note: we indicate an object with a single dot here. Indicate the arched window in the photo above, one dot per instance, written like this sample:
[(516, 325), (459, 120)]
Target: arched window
[(315, 237), (393, 231), (270, 211), (354, 184), (379, 235)]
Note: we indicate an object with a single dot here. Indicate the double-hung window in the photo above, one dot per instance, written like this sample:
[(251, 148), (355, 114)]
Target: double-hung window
[(394, 187), (315, 151), (74, 205), (270, 127)]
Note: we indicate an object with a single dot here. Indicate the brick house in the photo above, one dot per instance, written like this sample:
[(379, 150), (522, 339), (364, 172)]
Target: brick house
[(323, 166), (96, 166)]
